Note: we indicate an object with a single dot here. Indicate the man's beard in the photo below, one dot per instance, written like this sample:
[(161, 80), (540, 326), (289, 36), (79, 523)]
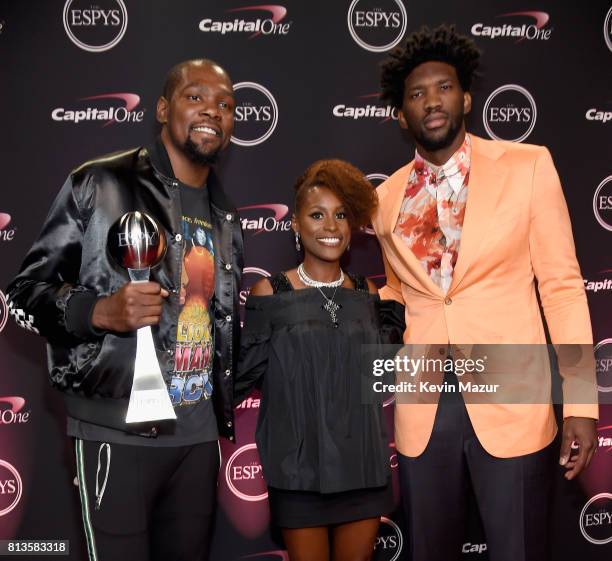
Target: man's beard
[(195, 154), (434, 144)]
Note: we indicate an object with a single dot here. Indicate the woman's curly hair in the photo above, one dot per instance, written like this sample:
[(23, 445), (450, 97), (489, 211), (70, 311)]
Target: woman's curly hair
[(346, 182), (442, 44)]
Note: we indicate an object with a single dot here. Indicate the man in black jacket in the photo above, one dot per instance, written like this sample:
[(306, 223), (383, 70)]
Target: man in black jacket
[(147, 490)]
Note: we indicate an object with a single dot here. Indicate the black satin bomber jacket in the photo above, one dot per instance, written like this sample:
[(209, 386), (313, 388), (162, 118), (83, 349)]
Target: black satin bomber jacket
[(68, 269)]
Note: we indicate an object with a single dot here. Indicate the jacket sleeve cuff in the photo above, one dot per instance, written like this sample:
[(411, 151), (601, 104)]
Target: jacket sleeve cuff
[(79, 310)]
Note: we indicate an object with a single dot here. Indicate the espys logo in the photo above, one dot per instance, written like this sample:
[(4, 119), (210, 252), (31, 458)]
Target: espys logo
[(607, 29), (107, 113), (244, 476), (366, 110), (11, 411), (256, 114), (603, 365), (248, 280), (595, 114), (532, 31), (602, 203), (4, 312), (95, 26), (509, 113), (377, 25), (272, 25), (6, 234), (265, 218), (596, 519), (11, 487), (389, 542)]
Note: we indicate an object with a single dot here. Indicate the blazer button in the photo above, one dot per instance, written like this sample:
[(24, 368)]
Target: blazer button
[(228, 318), (229, 424), (228, 266), (178, 238), (448, 301), (229, 217), (228, 372)]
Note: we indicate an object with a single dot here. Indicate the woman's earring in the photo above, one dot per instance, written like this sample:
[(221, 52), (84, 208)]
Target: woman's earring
[(297, 242)]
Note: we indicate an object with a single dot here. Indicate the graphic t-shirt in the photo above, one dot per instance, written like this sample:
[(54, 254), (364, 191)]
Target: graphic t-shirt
[(191, 387)]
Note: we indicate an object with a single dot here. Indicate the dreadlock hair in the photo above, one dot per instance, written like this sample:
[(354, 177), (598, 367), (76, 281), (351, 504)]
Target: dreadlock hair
[(442, 44), (346, 182)]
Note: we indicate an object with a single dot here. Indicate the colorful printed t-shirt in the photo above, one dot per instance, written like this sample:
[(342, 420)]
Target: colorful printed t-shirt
[(431, 216), (191, 387)]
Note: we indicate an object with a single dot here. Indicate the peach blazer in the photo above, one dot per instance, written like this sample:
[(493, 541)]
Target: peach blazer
[(516, 236)]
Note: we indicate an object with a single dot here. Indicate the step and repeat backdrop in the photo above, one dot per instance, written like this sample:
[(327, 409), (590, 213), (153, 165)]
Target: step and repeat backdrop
[(80, 78)]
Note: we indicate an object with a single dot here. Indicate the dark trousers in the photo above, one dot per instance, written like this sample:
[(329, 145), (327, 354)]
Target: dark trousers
[(512, 494), (143, 503)]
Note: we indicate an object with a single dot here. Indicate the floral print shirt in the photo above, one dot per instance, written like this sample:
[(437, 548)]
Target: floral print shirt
[(431, 216)]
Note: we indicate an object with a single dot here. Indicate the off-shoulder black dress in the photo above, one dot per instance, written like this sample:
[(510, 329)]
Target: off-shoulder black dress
[(324, 452)]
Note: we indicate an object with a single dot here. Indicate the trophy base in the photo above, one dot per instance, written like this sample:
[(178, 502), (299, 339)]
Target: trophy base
[(149, 405)]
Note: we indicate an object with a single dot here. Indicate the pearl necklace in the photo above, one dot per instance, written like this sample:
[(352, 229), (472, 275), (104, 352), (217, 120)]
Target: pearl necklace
[(309, 281)]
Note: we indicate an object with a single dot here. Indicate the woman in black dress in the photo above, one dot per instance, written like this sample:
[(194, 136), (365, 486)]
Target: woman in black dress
[(324, 451)]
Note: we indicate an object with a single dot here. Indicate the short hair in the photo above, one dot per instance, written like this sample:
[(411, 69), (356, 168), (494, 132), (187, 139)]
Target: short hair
[(175, 74), (346, 182), (441, 44)]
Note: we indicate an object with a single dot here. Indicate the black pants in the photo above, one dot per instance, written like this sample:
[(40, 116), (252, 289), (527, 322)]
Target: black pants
[(143, 503), (512, 494)]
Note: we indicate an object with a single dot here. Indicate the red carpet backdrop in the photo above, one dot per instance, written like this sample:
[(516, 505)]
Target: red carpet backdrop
[(80, 78)]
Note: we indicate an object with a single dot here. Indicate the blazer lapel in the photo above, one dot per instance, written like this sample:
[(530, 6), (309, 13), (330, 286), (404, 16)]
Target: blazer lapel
[(486, 183), (405, 264)]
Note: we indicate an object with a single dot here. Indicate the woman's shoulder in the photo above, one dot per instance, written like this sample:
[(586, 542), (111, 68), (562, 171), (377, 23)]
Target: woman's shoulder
[(272, 285)]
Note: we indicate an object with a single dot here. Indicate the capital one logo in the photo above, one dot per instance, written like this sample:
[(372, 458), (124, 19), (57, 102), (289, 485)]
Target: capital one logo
[(11, 411), (535, 30), (594, 114), (105, 113), (469, 547), (250, 275), (11, 487), (274, 555), (603, 365), (607, 29), (366, 110), (271, 25), (6, 233), (244, 476), (256, 114), (95, 26), (602, 203), (389, 542), (509, 113), (596, 519), (604, 441), (265, 218), (377, 25)]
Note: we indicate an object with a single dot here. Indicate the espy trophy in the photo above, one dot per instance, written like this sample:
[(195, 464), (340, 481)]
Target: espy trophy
[(137, 242)]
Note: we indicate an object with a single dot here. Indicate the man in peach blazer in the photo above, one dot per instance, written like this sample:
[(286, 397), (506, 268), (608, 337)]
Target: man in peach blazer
[(470, 230)]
